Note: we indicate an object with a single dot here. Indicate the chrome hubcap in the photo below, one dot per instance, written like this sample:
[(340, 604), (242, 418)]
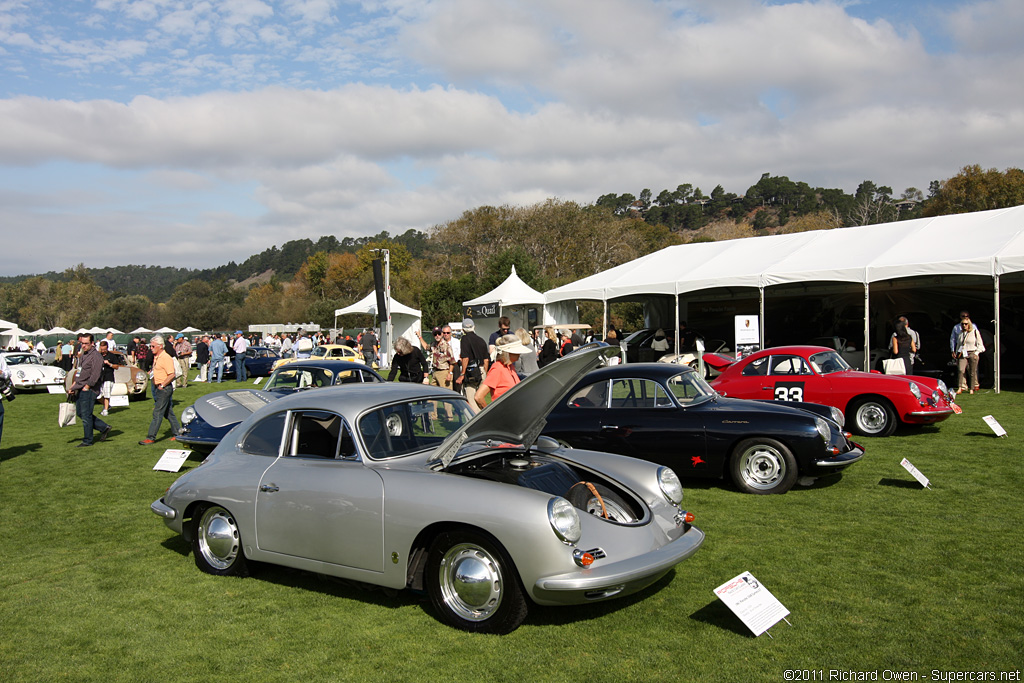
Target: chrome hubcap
[(762, 466), (218, 538), (470, 582), (871, 417)]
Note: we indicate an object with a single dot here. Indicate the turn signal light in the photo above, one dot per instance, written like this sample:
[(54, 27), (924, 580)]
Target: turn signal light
[(582, 558), (688, 517)]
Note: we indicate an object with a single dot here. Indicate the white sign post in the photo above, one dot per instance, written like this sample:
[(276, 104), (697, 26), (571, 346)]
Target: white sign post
[(917, 475), (172, 459), (756, 607)]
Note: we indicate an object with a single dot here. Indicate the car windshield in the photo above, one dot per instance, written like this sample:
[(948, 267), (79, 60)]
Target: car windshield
[(827, 362), (23, 359), (404, 428), (689, 388), (290, 377)]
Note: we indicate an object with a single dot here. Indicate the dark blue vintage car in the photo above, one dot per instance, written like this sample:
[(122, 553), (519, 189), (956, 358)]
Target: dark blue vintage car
[(210, 418), (259, 362), (668, 415)]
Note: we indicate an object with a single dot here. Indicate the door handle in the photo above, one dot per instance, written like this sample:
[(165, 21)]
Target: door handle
[(268, 488)]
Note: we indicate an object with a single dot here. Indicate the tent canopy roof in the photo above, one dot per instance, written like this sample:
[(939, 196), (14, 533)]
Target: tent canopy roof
[(512, 292), (982, 243), (368, 305)]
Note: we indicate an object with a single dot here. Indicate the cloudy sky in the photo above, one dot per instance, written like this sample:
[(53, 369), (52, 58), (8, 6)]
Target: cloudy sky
[(194, 132)]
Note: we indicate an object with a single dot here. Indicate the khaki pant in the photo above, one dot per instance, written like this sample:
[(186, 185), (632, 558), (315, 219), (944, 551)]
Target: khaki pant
[(442, 378), (184, 364), (969, 364)]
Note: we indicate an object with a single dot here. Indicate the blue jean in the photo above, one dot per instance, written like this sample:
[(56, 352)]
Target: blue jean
[(162, 408), (218, 365), (90, 423), (240, 367), (1, 419)]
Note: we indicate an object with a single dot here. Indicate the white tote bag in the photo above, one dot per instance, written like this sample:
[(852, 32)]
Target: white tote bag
[(66, 414), (894, 366)]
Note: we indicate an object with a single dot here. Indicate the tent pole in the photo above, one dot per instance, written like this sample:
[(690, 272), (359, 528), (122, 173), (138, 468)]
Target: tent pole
[(761, 313), (997, 365), (676, 347), (867, 329), (604, 321)]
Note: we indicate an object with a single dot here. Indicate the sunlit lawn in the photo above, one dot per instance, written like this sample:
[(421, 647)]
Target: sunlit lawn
[(878, 573)]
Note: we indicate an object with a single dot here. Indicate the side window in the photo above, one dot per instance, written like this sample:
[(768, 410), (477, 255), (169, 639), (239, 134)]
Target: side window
[(638, 393), (590, 396), (265, 436), (756, 368), (789, 365), (319, 434)]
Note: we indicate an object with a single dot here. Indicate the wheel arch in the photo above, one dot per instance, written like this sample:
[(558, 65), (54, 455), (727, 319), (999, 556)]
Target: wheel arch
[(416, 558)]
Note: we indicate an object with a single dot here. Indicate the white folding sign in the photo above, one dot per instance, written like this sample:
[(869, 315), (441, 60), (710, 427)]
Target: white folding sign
[(756, 607)]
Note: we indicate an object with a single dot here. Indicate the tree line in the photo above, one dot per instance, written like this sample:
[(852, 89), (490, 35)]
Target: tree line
[(550, 243)]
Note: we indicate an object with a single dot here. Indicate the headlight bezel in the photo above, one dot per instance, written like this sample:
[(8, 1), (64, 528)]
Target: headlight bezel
[(821, 424), (564, 520), (188, 415), (669, 483), (915, 390)]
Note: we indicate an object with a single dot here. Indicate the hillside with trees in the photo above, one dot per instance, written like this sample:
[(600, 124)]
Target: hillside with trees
[(550, 243)]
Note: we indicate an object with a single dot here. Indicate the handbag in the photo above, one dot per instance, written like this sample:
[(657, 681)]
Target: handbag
[(894, 366), (66, 414)]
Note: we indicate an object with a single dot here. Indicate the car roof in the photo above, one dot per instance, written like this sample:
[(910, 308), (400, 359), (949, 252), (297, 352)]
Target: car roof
[(332, 364), (351, 399), (641, 370), (797, 349)]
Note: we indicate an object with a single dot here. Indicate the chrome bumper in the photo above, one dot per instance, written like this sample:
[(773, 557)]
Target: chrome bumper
[(166, 511), (628, 571)]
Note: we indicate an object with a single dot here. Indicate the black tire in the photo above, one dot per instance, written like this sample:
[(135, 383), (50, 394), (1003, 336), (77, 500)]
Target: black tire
[(615, 508), (217, 543), (473, 584), (872, 417), (763, 466)]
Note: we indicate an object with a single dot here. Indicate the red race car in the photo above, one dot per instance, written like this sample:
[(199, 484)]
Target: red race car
[(873, 403)]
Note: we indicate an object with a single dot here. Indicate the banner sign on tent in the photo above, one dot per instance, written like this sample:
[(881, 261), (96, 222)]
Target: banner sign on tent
[(482, 311)]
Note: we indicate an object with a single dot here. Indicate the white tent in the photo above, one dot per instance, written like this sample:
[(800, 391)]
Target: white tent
[(141, 330), (405, 321), (11, 336), (985, 243), (60, 330), (190, 330), (113, 329), (165, 330), (512, 298)]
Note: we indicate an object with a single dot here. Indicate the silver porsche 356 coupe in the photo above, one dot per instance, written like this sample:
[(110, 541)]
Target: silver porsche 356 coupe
[(399, 485)]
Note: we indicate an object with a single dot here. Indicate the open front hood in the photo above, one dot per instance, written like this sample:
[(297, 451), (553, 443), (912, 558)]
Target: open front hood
[(518, 416)]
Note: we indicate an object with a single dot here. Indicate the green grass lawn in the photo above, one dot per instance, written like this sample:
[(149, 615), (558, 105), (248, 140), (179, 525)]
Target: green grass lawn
[(878, 574)]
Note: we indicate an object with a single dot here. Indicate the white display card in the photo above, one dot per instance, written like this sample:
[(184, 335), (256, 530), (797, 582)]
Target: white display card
[(55, 389), (756, 607), (172, 459), (119, 401), (995, 426), (914, 471)]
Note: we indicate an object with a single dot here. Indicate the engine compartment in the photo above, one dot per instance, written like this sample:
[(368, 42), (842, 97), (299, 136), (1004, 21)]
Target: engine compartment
[(586, 490)]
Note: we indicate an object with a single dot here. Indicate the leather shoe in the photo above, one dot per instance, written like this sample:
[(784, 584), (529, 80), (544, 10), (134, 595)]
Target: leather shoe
[(104, 434), (146, 442), (83, 445)]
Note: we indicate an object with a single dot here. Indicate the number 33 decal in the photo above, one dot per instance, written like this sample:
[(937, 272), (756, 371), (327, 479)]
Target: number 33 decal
[(789, 393)]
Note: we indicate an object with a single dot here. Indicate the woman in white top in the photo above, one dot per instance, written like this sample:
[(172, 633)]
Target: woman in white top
[(968, 347)]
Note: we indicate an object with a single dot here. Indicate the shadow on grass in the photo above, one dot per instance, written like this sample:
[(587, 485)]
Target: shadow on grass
[(15, 451), (900, 483), (715, 613), (333, 586)]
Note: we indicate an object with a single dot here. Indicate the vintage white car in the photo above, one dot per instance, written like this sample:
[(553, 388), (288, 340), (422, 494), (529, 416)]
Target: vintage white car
[(129, 380), (28, 371)]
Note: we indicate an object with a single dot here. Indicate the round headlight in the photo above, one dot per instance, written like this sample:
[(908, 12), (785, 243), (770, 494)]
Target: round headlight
[(20, 374), (915, 390), (838, 417), (942, 388), (61, 374), (669, 483), (188, 415), (823, 429), (565, 521), (140, 377)]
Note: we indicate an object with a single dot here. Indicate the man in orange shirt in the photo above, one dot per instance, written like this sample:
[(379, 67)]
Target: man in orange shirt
[(163, 390)]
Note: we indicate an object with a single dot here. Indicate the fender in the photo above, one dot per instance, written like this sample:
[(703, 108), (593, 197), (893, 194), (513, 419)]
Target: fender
[(717, 361)]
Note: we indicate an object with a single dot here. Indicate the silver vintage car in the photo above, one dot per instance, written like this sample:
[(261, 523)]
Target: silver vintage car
[(399, 485)]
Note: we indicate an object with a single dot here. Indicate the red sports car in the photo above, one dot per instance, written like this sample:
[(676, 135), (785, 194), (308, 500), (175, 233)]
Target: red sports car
[(872, 402)]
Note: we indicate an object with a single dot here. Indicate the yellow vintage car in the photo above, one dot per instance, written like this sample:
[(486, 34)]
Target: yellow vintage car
[(328, 352)]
